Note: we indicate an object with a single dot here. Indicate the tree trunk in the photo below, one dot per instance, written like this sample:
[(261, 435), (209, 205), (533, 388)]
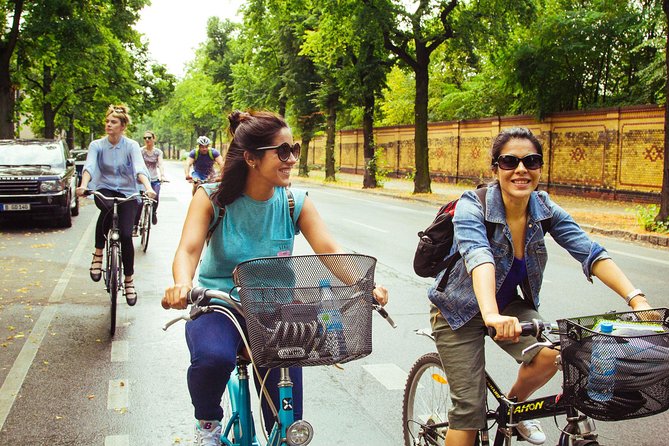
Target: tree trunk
[(48, 112), (664, 195), (7, 99), (307, 134), (371, 163), (69, 136), (330, 130), (422, 179)]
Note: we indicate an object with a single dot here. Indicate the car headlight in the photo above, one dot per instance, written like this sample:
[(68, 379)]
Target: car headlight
[(51, 186), (299, 433)]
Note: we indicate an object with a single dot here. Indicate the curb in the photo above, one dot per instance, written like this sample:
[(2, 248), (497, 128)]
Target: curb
[(651, 239)]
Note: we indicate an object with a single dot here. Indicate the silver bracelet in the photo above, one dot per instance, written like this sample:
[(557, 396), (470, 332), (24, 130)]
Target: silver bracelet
[(632, 294)]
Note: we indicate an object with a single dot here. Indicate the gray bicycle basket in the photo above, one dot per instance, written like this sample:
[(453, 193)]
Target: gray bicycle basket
[(641, 378), (307, 310)]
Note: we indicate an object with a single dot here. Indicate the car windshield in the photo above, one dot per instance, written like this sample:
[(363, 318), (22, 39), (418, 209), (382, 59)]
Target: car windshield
[(38, 154)]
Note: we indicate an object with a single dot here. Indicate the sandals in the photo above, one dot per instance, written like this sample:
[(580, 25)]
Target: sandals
[(129, 292), (96, 271)]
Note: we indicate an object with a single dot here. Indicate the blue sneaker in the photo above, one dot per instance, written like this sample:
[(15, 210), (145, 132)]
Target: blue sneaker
[(208, 433)]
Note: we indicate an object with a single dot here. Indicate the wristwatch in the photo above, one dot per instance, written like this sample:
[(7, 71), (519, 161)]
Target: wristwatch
[(632, 294)]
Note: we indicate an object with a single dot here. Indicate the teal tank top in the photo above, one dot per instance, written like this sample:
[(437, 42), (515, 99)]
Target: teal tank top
[(249, 229)]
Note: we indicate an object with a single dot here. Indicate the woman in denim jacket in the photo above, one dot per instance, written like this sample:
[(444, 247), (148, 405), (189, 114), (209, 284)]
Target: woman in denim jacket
[(482, 289)]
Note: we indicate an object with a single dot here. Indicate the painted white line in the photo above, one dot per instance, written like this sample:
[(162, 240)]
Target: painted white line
[(406, 209), (119, 351), (390, 375), (117, 396), (635, 256), (117, 440), (366, 226), (17, 374)]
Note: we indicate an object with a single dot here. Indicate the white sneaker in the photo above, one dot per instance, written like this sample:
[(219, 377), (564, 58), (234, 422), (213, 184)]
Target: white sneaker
[(208, 433), (531, 431)]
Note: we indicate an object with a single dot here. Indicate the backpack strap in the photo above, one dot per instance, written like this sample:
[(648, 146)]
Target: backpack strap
[(221, 213), (449, 262)]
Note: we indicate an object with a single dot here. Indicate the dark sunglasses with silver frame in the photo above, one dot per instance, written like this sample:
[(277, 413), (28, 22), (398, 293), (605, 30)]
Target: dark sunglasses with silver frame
[(532, 161), (284, 150)]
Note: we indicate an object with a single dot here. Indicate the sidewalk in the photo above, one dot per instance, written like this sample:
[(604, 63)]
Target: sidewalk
[(610, 218)]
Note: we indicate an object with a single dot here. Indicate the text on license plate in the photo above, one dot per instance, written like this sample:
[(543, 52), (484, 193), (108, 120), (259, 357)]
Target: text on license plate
[(15, 207)]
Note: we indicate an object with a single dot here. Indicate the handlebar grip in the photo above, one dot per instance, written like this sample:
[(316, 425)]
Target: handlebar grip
[(531, 328), (198, 296)]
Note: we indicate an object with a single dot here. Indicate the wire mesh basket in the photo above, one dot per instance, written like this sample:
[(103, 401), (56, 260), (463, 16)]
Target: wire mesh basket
[(307, 310), (639, 350)]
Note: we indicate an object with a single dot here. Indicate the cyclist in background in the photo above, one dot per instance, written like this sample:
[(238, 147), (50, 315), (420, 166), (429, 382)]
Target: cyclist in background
[(483, 288), (202, 160), (256, 222), (114, 167), (153, 158)]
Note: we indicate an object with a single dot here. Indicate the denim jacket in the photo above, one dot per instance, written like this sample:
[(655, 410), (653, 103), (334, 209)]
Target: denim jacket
[(457, 302)]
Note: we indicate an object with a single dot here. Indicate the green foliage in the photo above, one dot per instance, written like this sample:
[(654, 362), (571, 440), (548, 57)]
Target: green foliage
[(375, 165), (645, 216)]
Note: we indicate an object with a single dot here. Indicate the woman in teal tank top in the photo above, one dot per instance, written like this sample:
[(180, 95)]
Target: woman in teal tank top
[(256, 223)]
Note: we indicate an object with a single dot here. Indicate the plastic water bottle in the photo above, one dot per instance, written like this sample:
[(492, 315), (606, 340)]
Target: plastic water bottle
[(330, 318), (602, 365)]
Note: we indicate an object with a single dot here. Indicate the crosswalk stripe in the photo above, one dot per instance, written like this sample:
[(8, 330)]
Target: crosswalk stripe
[(117, 440), (389, 375), (117, 396), (119, 351)]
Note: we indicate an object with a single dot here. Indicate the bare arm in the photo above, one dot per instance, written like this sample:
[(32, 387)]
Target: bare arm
[(189, 162), (85, 179), (612, 276), (161, 166), (189, 250), (219, 161)]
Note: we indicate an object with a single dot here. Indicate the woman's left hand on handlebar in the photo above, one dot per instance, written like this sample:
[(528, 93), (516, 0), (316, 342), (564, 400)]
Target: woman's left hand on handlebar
[(176, 297), (380, 294), (80, 191), (507, 327), (151, 194)]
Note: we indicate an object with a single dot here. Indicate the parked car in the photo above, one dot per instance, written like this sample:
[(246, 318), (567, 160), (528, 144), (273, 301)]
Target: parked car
[(79, 156), (38, 179)]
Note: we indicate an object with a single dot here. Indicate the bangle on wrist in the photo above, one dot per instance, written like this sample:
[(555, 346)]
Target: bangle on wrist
[(632, 294)]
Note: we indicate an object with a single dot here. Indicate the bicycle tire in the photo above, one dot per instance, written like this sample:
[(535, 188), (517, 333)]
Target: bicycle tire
[(426, 395), (114, 281), (146, 226), (228, 410)]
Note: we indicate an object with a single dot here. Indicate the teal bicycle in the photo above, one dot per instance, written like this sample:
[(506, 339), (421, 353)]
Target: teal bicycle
[(299, 311)]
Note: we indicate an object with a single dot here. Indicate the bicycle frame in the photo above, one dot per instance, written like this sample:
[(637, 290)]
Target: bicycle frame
[(241, 423)]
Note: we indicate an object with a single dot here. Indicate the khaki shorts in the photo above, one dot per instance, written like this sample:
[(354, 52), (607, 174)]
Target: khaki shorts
[(463, 357)]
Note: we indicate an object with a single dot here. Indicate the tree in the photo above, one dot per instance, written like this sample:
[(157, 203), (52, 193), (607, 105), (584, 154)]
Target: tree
[(7, 47), (663, 215)]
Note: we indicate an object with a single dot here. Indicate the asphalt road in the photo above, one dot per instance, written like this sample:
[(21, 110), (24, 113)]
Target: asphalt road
[(65, 382)]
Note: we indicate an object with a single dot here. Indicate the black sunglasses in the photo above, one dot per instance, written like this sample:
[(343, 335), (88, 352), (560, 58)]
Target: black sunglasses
[(148, 137), (510, 162), (284, 150)]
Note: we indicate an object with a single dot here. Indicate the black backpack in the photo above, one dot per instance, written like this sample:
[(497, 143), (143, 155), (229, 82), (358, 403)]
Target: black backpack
[(432, 254)]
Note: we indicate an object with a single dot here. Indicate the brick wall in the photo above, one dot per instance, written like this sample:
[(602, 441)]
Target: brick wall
[(616, 153)]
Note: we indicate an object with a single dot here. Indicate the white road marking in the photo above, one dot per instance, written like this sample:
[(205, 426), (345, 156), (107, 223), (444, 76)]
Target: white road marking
[(373, 228), (390, 375), (119, 351), (635, 256), (117, 396), (406, 209), (17, 374), (117, 440)]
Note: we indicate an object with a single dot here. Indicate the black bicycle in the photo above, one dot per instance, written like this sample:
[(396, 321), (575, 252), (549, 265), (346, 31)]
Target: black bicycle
[(113, 266), (144, 227), (640, 389)]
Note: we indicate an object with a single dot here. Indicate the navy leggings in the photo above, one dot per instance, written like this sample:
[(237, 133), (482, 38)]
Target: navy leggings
[(126, 216), (213, 343)]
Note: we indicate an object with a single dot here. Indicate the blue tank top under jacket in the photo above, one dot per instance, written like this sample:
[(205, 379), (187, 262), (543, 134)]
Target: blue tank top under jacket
[(509, 289)]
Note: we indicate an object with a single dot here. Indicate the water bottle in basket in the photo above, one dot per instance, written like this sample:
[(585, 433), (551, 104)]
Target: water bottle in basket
[(602, 365), (331, 321)]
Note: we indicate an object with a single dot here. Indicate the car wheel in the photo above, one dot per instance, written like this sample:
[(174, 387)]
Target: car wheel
[(66, 220)]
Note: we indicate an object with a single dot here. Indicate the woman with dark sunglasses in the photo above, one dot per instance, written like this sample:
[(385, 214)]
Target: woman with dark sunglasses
[(246, 216), (482, 290)]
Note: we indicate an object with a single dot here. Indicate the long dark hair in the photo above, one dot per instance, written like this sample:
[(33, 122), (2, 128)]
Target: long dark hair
[(249, 130)]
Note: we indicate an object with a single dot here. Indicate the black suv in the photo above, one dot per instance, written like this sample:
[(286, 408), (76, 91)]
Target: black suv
[(37, 178)]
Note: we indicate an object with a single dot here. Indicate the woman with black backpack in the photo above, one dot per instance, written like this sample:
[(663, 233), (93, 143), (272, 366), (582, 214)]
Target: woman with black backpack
[(482, 290)]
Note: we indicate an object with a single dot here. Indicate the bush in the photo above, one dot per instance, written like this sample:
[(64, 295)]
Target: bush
[(645, 216)]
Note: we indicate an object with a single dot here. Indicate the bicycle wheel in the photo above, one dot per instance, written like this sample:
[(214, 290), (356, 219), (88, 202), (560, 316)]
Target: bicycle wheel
[(228, 410), (146, 226), (114, 284), (426, 400)]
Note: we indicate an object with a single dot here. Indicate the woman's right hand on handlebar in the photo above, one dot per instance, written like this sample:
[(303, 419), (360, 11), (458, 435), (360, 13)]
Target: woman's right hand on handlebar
[(176, 297), (81, 191), (508, 328)]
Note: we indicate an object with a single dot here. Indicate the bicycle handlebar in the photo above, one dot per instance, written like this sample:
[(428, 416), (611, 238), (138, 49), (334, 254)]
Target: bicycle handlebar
[(104, 197), (534, 328), (200, 298)]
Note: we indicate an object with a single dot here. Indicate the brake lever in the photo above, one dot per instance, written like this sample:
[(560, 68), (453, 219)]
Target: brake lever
[(195, 312), (382, 311), (537, 345)]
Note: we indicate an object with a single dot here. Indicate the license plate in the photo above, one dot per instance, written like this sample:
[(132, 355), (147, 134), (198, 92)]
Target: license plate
[(15, 207)]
